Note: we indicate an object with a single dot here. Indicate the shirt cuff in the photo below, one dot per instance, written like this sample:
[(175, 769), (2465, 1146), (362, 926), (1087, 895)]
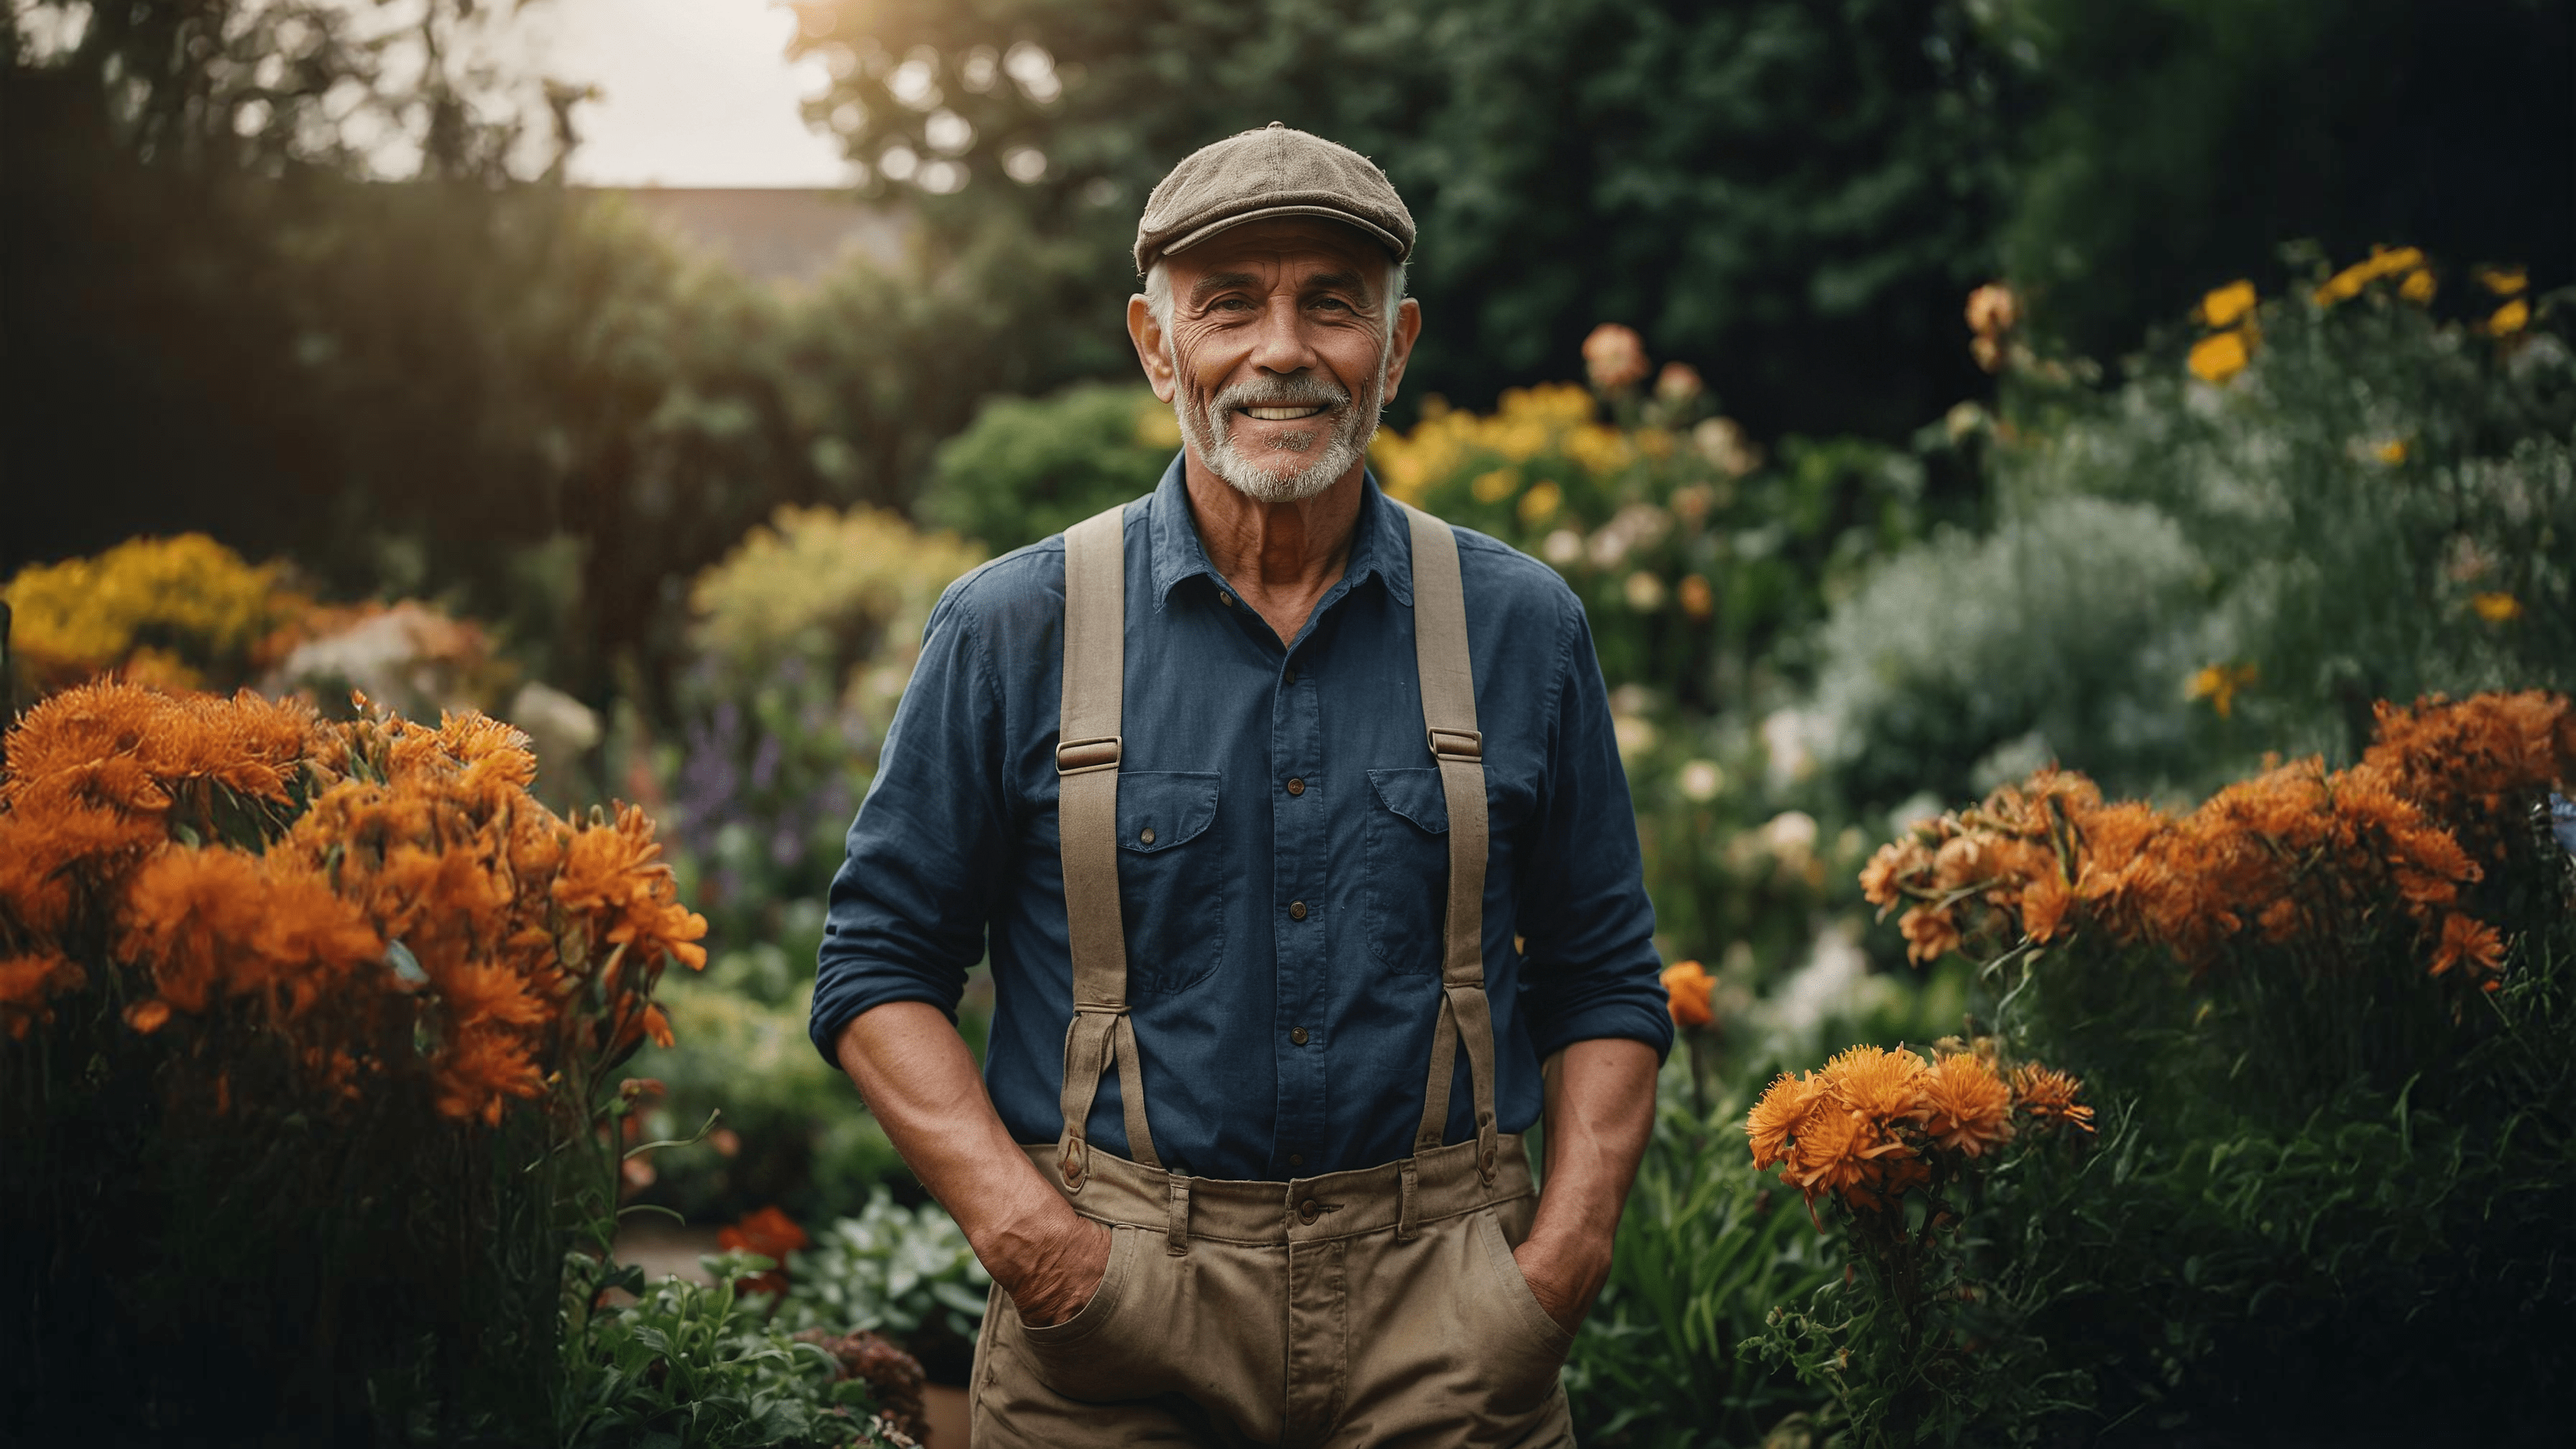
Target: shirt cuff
[(1626, 1020), (839, 1002)]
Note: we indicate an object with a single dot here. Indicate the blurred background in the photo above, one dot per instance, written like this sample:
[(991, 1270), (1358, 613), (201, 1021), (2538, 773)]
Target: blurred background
[(1916, 391)]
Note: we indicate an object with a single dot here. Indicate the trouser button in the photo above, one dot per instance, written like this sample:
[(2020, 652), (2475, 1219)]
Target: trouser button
[(1308, 1210)]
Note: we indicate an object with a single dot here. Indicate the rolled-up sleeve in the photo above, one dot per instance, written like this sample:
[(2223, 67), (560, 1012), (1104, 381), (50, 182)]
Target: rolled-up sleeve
[(1588, 931), (910, 903)]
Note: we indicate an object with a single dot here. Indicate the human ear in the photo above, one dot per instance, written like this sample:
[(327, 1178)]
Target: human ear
[(1399, 343), (1153, 349)]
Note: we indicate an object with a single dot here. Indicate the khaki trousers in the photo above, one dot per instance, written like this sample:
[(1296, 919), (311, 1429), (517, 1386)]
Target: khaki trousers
[(1352, 1309)]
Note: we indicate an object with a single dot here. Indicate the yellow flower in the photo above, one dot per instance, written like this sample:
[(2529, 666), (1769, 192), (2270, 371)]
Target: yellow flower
[(2392, 452), (1540, 503), (2503, 281), (2218, 683), (2216, 359), (2496, 608), (2418, 287), (2383, 262), (1495, 486), (2510, 318), (2223, 307)]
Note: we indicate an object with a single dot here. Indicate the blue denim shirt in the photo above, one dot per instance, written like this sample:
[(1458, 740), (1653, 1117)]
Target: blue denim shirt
[(1275, 1043)]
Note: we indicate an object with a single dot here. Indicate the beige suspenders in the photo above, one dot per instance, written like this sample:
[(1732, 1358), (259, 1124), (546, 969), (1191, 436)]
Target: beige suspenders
[(1087, 758)]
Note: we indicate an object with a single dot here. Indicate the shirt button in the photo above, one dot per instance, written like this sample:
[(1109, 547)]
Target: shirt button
[(1146, 835), (1225, 598), (1296, 1159), (1292, 674), (1296, 910), (1297, 1035), (1296, 787)]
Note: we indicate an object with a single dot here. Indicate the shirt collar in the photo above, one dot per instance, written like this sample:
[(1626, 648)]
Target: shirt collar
[(1381, 541)]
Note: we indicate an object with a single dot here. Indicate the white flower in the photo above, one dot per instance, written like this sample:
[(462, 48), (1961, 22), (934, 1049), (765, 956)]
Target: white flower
[(1700, 780)]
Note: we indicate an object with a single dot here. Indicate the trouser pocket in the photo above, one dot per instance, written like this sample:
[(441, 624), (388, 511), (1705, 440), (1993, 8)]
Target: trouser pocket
[(1118, 1346), (1528, 1347)]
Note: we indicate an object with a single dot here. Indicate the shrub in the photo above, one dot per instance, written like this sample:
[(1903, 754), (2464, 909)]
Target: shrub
[(696, 1364), (174, 611), (2293, 508), (1029, 467), (309, 1029), (2325, 1022)]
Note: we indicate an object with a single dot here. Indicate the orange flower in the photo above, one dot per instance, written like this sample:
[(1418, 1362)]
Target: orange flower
[(1687, 986), (2468, 942), (658, 1027), (1614, 356), (28, 982), (2049, 1095), (1884, 877), (1884, 1086), (773, 1235), (2044, 902), (1930, 934), (1780, 1115), (1967, 1108), (1961, 861)]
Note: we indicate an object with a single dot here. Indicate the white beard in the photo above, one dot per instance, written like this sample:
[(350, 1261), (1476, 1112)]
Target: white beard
[(1336, 443)]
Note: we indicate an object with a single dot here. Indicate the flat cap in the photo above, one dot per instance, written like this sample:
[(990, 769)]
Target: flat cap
[(1275, 171)]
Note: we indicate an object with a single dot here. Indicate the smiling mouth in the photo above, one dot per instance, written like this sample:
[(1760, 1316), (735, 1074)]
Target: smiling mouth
[(1282, 415)]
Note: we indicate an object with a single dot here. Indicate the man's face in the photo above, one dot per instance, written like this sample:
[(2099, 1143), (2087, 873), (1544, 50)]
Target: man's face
[(1279, 352)]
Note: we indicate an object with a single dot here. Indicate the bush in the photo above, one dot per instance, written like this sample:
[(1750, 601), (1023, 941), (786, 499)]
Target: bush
[(309, 1034), (2295, 509), (1030, 467), (903, 1272), (2324, 1020), (692, 1364)]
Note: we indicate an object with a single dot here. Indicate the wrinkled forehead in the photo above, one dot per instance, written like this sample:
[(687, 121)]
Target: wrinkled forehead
[(1285, 251)]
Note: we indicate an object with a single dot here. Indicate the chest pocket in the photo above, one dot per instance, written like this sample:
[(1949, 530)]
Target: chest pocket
[(1171, 883), (1408, 870)]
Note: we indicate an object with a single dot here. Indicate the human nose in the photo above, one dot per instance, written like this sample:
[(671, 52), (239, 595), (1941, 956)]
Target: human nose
[(1282, 346)]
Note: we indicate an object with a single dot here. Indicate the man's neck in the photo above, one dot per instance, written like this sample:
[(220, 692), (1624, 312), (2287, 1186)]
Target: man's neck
[(1281, 558)]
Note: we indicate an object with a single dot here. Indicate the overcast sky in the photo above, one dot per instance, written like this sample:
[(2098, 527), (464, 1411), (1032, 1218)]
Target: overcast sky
[(692, 93)]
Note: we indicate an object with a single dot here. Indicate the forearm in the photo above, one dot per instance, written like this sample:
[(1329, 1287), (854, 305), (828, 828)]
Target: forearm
[(919, 1080), (1600, 1111)]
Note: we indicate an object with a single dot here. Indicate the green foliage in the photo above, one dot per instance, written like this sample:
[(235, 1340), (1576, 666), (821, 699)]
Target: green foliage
[(2171, 145), (1704, 1250), (1031, 467), (2325, 527), (906, 1272), (688, 1365), (1793, 196)]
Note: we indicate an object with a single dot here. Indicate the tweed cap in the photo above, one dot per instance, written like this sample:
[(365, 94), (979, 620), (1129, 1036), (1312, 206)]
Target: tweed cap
[(1275, 171)]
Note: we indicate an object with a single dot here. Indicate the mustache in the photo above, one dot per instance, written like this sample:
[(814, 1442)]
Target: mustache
[(1279, 392)]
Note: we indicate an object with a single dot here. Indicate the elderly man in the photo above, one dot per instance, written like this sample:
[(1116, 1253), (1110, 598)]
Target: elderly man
[(1296, 828)]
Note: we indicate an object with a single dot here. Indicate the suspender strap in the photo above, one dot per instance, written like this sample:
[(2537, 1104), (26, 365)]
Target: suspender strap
[(1086, 761), (1449, 729)]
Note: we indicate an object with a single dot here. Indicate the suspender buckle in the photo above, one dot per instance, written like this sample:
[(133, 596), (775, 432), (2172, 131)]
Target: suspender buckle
[(1456, 744), (1081, 757)]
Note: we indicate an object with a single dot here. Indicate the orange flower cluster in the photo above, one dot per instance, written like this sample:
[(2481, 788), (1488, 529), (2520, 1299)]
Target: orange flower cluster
[(1876, 1123), (2298, 857), (381, 897)]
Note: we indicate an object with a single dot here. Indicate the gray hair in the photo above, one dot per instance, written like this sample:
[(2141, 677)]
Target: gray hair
[(1158, 298)]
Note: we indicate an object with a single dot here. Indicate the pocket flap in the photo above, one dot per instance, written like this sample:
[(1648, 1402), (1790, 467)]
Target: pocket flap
[(1173, 807), (1414, 794)]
